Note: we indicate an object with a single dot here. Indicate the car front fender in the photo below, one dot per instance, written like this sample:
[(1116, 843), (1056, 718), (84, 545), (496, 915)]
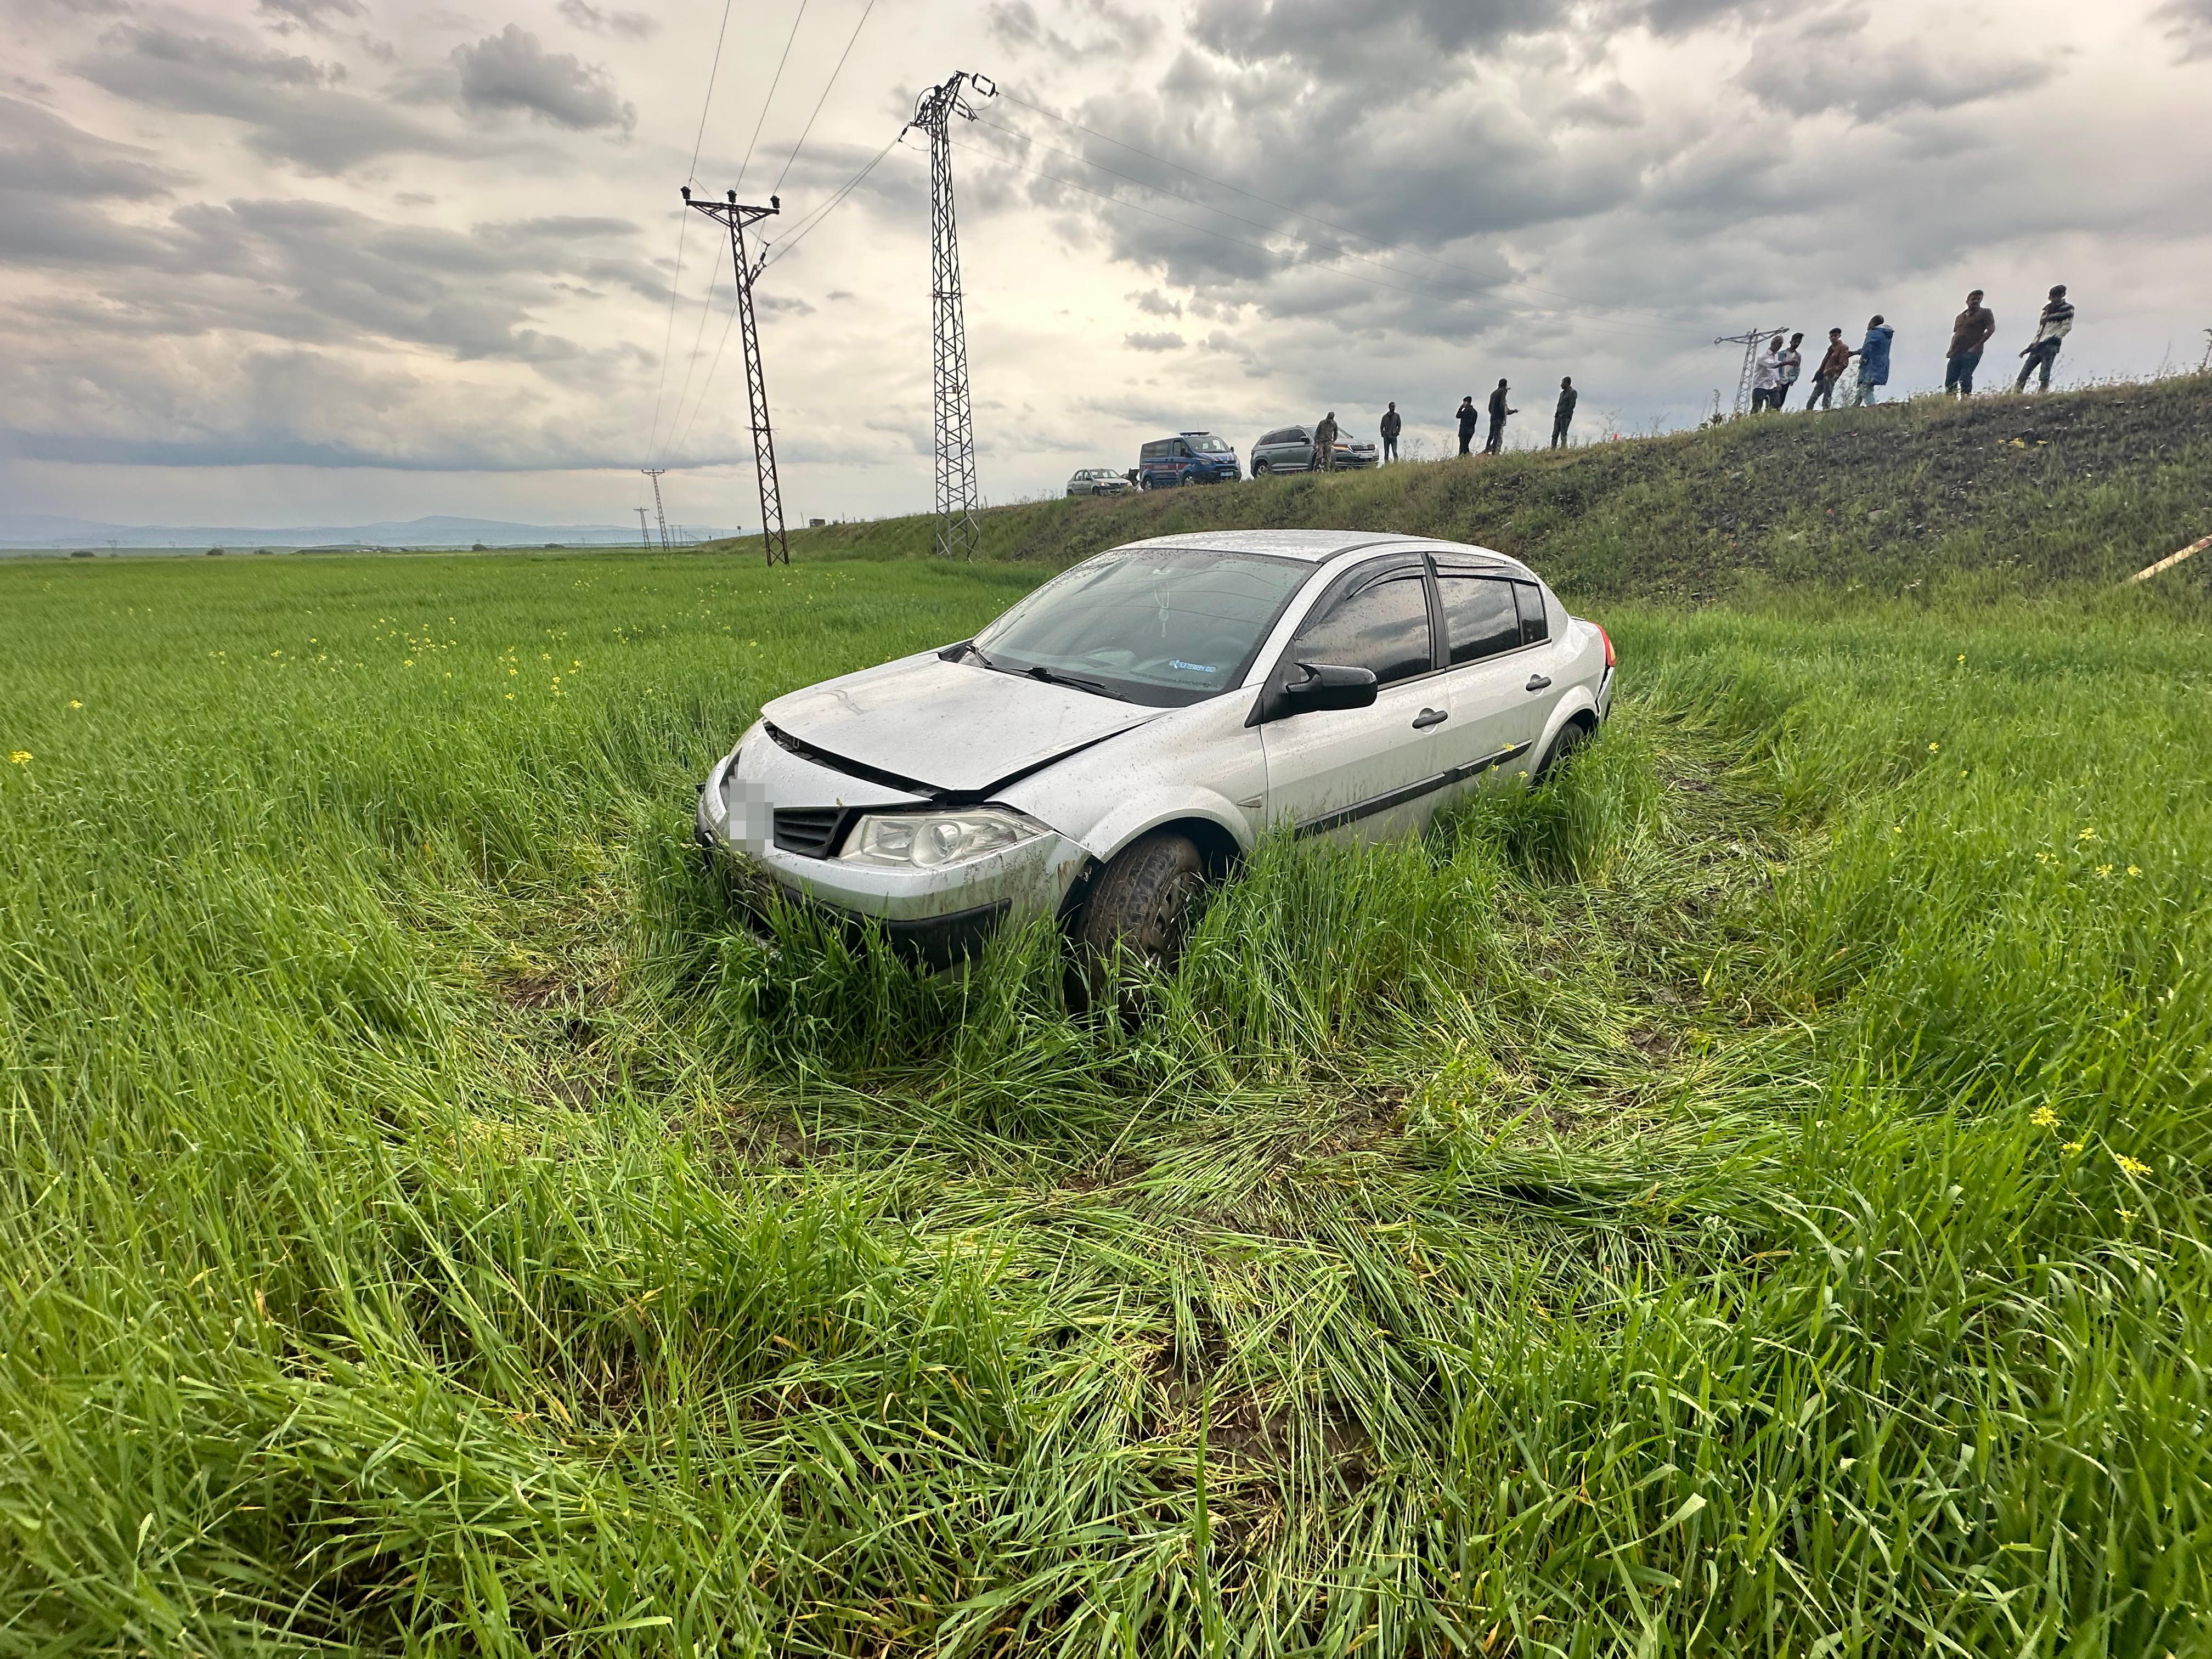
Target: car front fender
[(1129, 819)]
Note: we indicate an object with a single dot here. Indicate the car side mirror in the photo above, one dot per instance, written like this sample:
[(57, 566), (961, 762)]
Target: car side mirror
[(1328, 685)]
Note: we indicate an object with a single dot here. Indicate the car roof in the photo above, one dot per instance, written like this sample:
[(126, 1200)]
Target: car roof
[(1317, 546)]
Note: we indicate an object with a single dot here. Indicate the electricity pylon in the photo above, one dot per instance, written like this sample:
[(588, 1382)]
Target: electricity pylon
[(737, 217), (1749, 341), (957, 530), (660, 517), (644, 535)]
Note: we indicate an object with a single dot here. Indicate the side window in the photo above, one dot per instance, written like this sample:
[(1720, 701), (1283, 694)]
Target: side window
[(1154, 452), (1481, 619), (1383, 624), (1181, 450), (1534, 627), (1272, 438)]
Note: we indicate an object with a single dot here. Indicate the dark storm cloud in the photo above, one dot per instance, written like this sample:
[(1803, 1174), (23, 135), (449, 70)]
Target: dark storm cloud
[(294, 106), (2190, 22), (41, 153), (513, 71), (1828, 63), (627, 25)]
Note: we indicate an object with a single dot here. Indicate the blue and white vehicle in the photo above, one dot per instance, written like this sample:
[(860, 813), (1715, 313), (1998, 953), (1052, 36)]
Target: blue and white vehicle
[(1127, 731), (1189, 457)]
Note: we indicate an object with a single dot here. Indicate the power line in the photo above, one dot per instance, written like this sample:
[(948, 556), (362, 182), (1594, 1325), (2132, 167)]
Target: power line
[(698, 335), (683, 228), (1391, 247), (849, 43), (800, 230), (774, 81)]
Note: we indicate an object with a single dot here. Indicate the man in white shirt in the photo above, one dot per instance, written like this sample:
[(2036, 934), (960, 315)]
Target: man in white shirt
[(2052, 327), (1766, 377)]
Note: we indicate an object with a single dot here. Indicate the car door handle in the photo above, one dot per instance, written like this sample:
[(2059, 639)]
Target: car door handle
[(1537, 682), (1429, 717)]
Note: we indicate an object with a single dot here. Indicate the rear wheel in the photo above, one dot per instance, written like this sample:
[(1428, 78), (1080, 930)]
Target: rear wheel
[(1143, 900), (1572, 737)]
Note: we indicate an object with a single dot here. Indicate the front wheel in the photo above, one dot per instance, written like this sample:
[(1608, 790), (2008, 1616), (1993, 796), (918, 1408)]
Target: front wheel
[(1143, 901), (1260, 469)]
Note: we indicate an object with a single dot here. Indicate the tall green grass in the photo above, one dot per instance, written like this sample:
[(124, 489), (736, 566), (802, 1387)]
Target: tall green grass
[(1746, 1195)]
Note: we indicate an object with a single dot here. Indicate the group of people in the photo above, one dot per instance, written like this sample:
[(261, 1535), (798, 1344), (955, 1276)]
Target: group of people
[(1776, 368), (1562, 417), (1774, 374)]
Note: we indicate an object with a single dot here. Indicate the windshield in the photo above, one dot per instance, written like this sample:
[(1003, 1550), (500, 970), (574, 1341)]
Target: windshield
[(1159, 626), (1207, 444)]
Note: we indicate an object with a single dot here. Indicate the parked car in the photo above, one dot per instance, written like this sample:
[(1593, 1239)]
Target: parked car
[(1290, 449), (1126, 733), (1189, 457), (1098, 481)]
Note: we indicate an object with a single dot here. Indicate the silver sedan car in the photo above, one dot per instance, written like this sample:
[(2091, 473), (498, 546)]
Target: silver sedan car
[(1099, 481), (1127, 731)]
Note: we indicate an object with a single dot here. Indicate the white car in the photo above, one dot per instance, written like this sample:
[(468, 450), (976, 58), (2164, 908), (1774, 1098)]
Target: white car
[(1098, 481), (1128, 730)]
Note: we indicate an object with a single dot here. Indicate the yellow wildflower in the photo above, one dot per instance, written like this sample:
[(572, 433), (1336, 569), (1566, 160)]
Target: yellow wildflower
[(74, 703), (1962, 656), (2088, 833), (21, 757), (2103, 869), (2073, 1146), (2127, 1215), (1933, 747), (2134, 869), (2131, 1166), (2043, 1118)]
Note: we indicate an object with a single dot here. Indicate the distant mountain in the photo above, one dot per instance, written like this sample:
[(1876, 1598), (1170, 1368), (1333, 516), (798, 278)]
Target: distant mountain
[(25, 530)]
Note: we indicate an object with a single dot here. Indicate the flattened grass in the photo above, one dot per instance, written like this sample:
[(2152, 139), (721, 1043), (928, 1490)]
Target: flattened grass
[(1746, 1195)]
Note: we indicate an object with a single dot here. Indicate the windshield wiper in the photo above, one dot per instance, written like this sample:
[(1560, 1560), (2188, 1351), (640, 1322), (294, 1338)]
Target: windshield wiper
[(967, 648), (1052, 677)]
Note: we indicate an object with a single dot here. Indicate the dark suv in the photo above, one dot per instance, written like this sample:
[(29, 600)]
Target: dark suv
[(1186, 458), (1290, 449)]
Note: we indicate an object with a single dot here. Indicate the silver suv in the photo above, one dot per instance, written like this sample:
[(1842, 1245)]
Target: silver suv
[(1290, 449)]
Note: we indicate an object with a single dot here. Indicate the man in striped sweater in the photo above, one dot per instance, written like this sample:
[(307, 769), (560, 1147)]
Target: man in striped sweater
[(2050, 328)]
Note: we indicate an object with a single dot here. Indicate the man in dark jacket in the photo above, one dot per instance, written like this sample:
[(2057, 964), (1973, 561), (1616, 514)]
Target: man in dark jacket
[(1496, 440), (1970, 332), (1831, 370), (1392, 425), (2052, 327), (1324, 460), (1468, 418), (1564, 416)]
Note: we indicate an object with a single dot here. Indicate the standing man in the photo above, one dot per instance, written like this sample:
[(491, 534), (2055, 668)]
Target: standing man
[(1468, 418), (2051, 327), (1564, 416), (1766, 377), (1831, 369), (1874, 360), (1789, 365), (1970, 332), (1392, 425), (1324, 459), (1496, 440)]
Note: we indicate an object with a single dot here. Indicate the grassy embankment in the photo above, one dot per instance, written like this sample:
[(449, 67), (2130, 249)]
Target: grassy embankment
[(1999, 495), (1747, 1197)]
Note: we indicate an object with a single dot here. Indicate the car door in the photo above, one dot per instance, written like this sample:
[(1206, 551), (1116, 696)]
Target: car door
[(1360, 773), (1497, 687)]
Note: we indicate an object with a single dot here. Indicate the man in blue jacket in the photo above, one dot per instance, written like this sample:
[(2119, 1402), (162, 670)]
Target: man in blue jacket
[(1874, 360)]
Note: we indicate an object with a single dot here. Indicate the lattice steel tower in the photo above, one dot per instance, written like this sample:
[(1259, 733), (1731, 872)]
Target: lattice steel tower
[(1749, 341), (771, 494), (957, 530), (660, 517)]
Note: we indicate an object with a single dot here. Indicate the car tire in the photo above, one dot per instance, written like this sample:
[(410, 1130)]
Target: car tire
[(1572, 738), (1141, 902), (1260, 469)]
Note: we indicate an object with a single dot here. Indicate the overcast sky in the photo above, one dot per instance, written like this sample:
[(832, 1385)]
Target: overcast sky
[(337, 260)]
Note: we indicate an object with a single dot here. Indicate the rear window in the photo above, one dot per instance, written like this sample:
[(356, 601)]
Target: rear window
[(1535, 627), (1480, 617)]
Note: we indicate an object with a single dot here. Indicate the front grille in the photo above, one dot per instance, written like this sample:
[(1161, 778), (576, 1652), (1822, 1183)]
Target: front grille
[(808, 831)]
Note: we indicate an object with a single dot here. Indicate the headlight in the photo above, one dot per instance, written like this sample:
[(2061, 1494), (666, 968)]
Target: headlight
[(927, 839)]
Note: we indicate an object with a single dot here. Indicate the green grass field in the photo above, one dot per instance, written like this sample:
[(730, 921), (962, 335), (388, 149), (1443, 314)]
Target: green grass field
[(1747, 1197)]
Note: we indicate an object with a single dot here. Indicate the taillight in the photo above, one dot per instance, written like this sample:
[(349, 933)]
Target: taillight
[(1608, 638)]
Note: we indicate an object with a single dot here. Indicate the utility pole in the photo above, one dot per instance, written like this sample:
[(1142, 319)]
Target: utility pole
[(737, 217), (2205, 361), (957, 530), (1749, 341), (644, 535)]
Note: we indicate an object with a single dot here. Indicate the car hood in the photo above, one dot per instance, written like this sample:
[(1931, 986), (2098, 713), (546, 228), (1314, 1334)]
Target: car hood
[(954, 726)]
